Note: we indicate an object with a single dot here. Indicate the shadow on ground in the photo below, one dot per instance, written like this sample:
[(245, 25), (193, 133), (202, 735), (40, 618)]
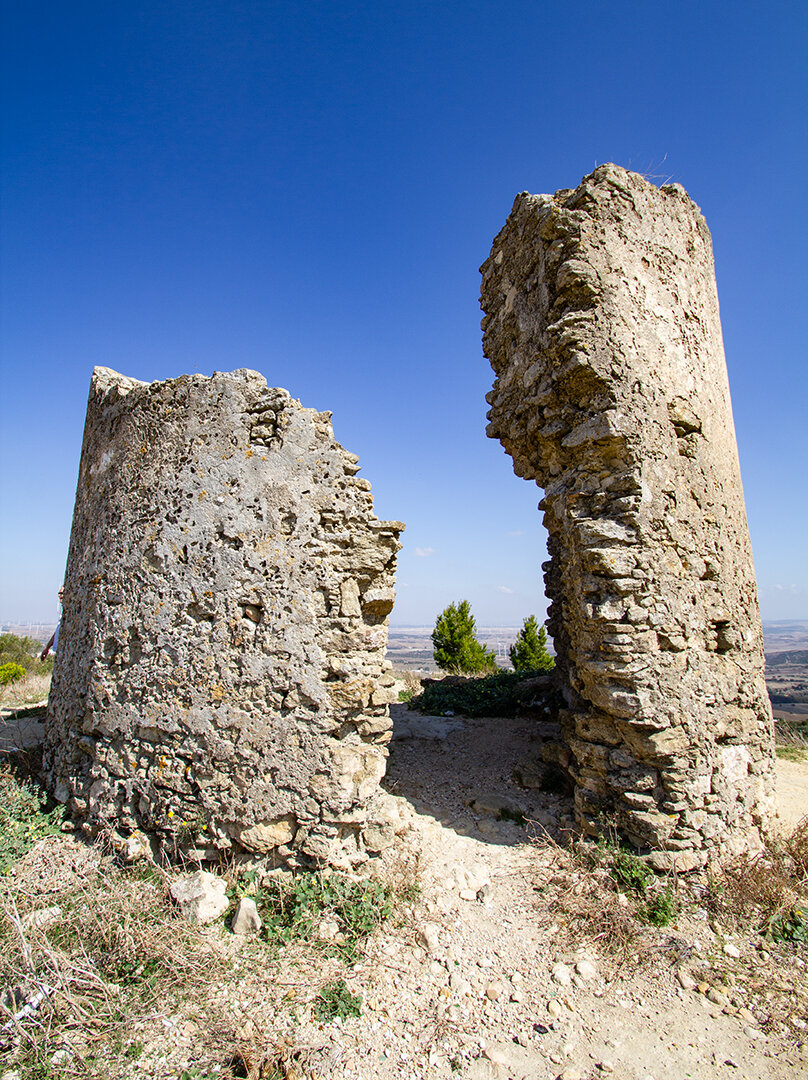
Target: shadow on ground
[(481, 777)]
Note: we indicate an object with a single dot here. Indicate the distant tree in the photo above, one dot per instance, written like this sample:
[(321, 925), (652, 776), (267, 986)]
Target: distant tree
[(529, 651), (455, 645)]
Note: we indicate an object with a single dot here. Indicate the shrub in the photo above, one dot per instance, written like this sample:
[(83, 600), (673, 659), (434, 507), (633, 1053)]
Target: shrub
[(455, 645), (24, 651), (529, 651), (630, 872), (498, 694), (11, 673), (661, 909)]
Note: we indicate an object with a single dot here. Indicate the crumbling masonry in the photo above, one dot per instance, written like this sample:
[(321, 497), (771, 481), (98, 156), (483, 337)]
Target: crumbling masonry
[(221, 677), (602, 325)]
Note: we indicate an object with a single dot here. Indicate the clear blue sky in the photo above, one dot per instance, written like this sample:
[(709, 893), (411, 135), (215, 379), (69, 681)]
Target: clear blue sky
[(308, 189)]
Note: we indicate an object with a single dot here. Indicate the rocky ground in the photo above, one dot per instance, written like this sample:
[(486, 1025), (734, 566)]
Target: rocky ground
[(513, 958)]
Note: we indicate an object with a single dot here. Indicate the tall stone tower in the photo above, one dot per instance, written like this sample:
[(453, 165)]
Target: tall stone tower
[(611, 392), (221, 674)]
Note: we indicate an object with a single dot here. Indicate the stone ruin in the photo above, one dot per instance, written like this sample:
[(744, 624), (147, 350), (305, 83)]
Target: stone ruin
[(221, 679), (611, 392)]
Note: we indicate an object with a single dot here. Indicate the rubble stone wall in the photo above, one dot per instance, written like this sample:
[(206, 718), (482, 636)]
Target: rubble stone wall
[(611, 392), (221, 677)]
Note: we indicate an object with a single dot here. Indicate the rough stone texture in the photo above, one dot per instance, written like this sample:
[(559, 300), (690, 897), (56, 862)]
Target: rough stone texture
[(602, 325), (246, 919), (202, 897), (221, 675)]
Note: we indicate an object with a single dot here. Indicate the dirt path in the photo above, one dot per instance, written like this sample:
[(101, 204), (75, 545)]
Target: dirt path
[(485, 983)]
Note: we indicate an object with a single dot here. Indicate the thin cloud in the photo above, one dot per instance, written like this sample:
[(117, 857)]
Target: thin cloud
[(516, 532), (424, 553), (505, 589)]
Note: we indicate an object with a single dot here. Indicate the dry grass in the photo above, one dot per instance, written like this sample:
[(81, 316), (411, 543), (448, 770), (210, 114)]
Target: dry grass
[(410, 679), (761, 890), (103, 961), (760, 901), (28, 691), (105, 980), (792, 740), (585, 905)]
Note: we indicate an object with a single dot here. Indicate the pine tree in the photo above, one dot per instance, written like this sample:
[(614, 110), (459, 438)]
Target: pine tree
[(529, 651), (455, 645)]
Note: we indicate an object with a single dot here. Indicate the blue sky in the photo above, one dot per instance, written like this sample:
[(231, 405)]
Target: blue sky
[(309, 189)]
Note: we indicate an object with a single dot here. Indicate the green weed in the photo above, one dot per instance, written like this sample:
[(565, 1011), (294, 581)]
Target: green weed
[(791, 926), (335, 999), (291, 911), (630, 872), (23, 818), (661, 909)]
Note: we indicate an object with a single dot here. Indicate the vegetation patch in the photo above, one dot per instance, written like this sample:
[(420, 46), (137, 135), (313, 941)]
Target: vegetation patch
[(629, 871), (25, 653), (24, 818), (336, 1000), (501, 693), (301, 908), (11, 673)]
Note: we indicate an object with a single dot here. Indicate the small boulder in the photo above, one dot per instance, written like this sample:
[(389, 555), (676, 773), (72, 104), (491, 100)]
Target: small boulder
[(132, 848), (429, 939), (562, 975), (586, 969), (201, 897), (246, 920)]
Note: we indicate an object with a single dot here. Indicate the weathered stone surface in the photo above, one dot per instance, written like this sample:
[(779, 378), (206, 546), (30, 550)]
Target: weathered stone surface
[(221, 676), (246, 919), (201, 897), (602, 325)]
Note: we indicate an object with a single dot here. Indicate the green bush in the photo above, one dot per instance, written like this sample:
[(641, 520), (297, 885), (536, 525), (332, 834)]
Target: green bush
[(11, 673), (498, 694), (455, 645), (529, 651), (24, 651)]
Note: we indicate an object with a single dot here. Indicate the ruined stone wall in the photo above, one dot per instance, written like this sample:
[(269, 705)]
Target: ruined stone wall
[(221, 676), (602, 325)]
